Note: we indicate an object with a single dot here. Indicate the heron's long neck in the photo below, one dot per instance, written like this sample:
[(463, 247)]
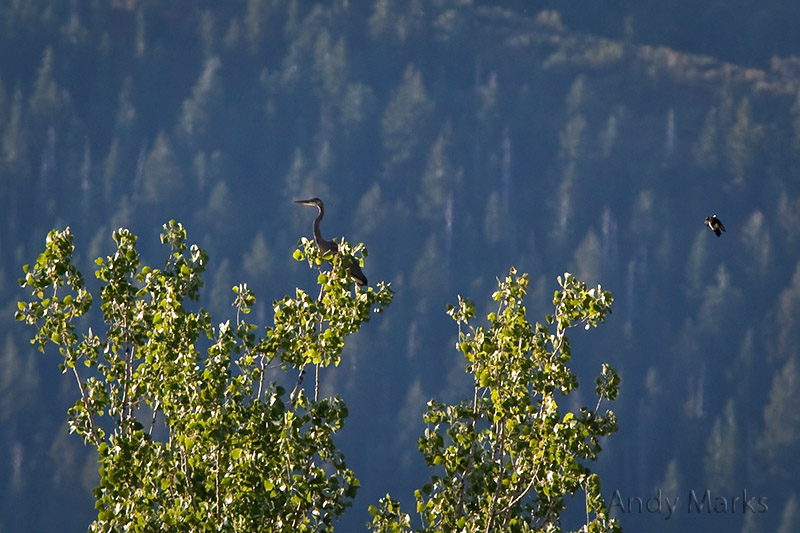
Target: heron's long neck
[(317, 235)]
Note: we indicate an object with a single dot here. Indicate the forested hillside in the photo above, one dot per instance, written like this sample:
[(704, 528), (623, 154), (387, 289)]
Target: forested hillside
[(455, 138)]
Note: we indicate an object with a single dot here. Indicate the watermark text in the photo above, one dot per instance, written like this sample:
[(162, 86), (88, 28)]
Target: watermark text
[(694, 502)]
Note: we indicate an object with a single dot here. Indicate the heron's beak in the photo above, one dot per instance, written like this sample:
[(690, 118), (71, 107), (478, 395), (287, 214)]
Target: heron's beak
[(304, 202)]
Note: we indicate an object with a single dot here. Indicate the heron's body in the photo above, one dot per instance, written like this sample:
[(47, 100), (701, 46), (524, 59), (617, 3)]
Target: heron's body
[(715, 224), (330, 246)]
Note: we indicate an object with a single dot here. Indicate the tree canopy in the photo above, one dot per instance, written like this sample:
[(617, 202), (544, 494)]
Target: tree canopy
[(206, 442)]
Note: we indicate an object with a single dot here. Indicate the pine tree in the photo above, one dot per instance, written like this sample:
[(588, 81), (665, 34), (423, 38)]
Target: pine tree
[(742, 142), (722, 459), (781, 434), (161, 174), (790, 517), (588, 258), (788, 307), (406, 116), (194, 125), (440, 178)]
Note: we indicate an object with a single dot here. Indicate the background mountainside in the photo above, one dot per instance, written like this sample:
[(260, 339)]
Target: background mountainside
[(455, 138)]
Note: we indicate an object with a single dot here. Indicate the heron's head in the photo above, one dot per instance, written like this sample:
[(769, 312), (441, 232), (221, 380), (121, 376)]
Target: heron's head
[(312, 201)]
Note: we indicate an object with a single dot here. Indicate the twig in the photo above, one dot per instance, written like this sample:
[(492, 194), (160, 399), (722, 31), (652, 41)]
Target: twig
[(296, 391), (316, 383), (125, 411), (84, 398), (261, 381), (499, 458), (156, 407), (470, 458), (92, 430)]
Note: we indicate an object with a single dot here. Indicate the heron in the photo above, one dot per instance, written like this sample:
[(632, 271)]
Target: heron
[(330, 246), (715, 224)]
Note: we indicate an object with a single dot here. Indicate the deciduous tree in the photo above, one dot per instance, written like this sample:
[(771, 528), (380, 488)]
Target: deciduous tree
[(191, 441), (507, 458)]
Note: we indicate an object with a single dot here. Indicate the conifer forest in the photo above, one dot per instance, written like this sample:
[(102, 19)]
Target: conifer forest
[(455, 139)]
